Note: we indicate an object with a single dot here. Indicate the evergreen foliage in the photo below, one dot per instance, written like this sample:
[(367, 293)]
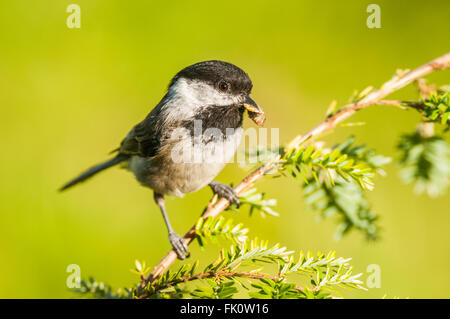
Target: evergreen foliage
[(334, 181)]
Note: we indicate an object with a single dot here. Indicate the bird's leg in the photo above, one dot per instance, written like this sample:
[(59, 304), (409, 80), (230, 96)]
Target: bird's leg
[(177, 242), (225, 191)]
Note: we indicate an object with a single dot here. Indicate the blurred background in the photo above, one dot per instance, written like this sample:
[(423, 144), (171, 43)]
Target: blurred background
[(68, 97)]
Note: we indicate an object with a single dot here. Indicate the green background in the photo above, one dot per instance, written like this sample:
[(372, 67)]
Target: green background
[(68, 97)]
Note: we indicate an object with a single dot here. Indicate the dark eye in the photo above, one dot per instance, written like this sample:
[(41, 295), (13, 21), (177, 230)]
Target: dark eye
[(224, 86)]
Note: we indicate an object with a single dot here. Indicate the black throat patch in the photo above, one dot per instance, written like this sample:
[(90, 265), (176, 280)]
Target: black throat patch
[(219, 117)]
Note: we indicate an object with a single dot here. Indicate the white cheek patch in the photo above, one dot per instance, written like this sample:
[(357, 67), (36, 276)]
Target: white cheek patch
[(187, 97), (205, 94)]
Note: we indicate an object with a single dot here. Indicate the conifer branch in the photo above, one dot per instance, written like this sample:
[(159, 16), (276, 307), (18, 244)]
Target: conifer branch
[(366, 98), (324, 271)]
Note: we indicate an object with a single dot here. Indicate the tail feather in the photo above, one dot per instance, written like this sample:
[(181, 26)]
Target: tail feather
[(94, 170)]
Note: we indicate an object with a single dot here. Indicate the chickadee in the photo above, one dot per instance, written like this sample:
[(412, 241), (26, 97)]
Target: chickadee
[(206, 96)]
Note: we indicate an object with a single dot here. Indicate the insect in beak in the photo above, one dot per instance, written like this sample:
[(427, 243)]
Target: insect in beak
[(254, 111)]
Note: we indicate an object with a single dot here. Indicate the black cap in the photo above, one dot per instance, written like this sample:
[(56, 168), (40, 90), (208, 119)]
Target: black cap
[(216, 73)]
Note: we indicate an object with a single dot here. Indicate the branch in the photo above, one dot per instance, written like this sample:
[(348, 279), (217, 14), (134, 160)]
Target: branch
[(218, 274), (419, 106), (215, 207)]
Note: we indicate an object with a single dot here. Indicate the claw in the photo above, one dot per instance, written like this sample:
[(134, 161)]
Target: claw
[(225, 191), (179, 246)]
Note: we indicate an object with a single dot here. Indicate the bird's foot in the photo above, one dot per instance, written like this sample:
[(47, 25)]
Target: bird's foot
[(225, 191), (178, 245)]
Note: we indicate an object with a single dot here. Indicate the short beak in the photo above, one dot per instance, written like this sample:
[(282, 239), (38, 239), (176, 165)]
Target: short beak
[(254, 111)]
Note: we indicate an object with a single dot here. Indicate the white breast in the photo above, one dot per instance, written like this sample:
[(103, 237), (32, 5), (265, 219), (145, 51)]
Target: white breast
[(197, 167)]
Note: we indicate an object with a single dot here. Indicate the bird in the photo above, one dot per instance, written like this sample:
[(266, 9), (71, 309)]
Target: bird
[(188, 137)]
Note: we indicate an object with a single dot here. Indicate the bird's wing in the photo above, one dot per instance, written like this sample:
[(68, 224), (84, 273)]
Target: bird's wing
[(145, 138)]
